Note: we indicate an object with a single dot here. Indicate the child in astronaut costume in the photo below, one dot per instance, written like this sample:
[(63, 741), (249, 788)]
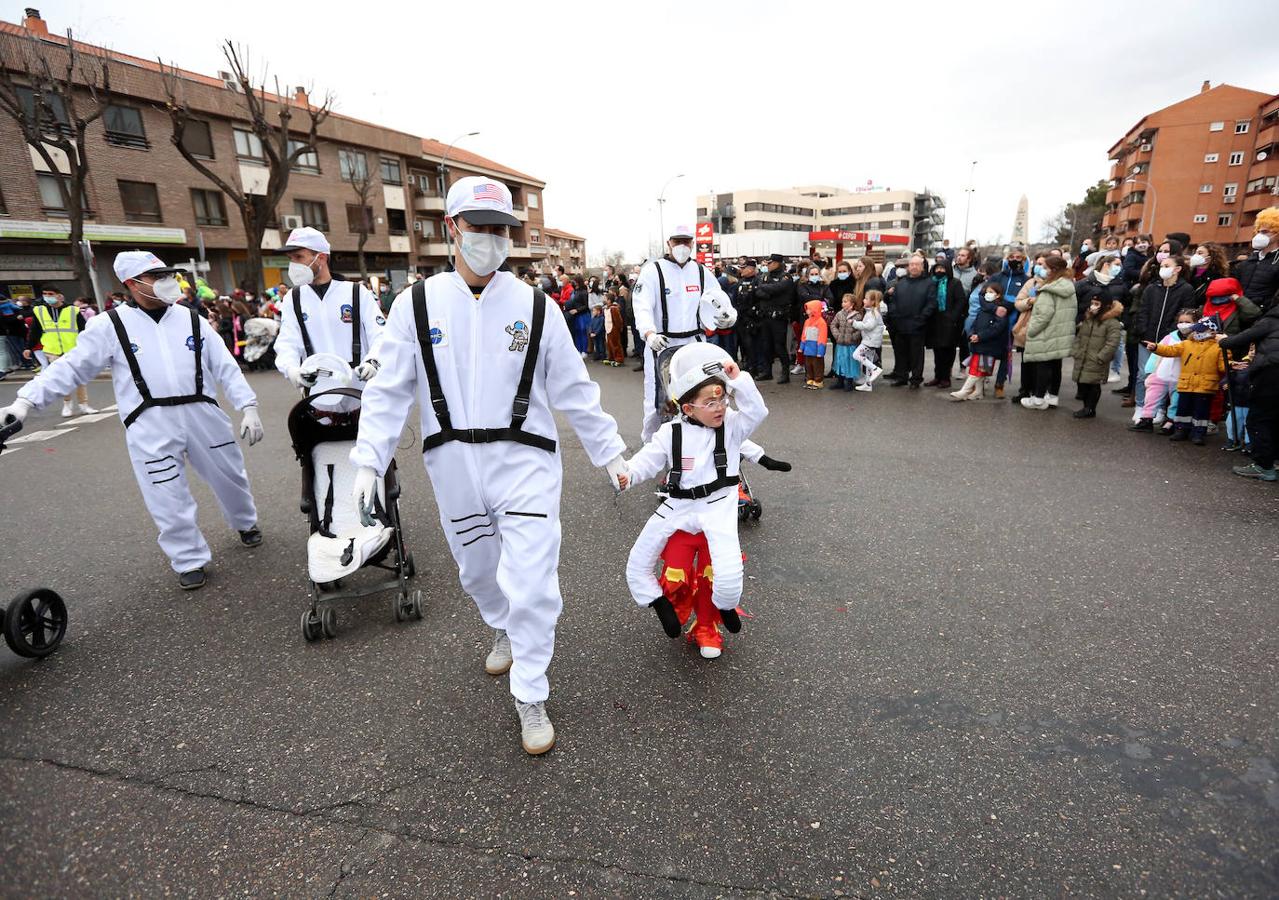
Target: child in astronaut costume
[(488, 358), (320, 315), (165, 360), (703, 451), (675, 300)]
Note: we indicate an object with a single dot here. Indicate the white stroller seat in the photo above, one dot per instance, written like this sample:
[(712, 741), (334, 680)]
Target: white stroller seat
[(343, 544)]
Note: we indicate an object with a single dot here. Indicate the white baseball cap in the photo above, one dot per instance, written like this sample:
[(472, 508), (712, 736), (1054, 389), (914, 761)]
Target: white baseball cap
[(132, 263), (306, 238), (681, 231), (481, 201)]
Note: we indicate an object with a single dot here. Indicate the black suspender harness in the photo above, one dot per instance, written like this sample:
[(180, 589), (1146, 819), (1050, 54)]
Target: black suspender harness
[(355, 322), (519, 408), (722, 478), (661, 293), (140, 383)]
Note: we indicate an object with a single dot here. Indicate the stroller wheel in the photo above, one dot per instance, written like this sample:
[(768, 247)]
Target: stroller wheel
[(410, 568), (35, 622), (743, 512), (312, 629), (415, 604), (329, 622), (757, 510), (397, 606)]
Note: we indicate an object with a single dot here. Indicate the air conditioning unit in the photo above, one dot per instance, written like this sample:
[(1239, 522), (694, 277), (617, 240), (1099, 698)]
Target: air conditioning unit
[(291, 222), (417, 225), (1147, 147)]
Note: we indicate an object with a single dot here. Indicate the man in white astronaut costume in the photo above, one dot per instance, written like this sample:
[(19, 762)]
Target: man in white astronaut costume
[(702, 449), (488, 362), (321, 315), (165, 361), (674, 300)]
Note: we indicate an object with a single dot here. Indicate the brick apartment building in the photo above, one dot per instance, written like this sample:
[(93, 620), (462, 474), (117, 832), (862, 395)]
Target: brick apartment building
[(565, 249), (142, 193), (1204, 166)]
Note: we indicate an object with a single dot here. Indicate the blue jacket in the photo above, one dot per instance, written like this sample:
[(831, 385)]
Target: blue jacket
[(991, 330)]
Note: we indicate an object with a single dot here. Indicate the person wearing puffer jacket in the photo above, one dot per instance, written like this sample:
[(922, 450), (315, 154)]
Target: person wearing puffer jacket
[(1095, 341), (1202, 366), (1157, 309), (1050, 334)]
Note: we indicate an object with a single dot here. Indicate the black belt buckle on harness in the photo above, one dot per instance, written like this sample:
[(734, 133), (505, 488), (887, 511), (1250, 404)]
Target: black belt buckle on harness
[(519, 409)]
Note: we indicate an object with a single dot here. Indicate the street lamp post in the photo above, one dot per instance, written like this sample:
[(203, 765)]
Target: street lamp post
[(661, 208), (968, 206), (1154, 204), (444, 190)]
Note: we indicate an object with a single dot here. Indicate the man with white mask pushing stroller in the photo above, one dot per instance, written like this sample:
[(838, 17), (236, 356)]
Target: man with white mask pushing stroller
[(163, 360), (320, 315), (488, 359)]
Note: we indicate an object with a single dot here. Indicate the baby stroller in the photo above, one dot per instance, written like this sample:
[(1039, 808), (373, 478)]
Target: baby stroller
[(34, 622), (748, 508), (323, 429)]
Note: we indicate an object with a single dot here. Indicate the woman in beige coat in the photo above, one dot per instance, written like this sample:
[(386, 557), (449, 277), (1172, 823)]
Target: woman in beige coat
[(1050, 334)]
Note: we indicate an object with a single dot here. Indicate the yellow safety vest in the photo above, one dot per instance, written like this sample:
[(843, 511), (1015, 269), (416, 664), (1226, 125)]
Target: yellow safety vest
[(58, 334)]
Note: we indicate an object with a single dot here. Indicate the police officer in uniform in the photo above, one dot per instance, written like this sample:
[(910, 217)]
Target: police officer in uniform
[(775, 297), (750, 324)]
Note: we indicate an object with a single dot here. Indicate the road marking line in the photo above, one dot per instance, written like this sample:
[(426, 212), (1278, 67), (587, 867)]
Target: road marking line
[(95, 417), (42, 435)]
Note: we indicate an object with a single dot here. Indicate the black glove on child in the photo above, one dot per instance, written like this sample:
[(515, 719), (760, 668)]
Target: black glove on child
[(774, 465)]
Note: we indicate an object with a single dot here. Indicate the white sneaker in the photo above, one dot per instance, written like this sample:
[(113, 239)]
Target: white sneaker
[(710, 652), (1051, 399), (1160, 418), (537, 734), (875, 373), (499, 660), (1114, 376), (66, 409), (1034, 403), (797, 370), (864, 388), (84, 409)]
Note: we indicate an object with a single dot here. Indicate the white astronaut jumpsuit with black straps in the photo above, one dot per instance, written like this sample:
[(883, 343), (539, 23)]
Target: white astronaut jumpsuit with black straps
[(333, 323), (496, 475), (678, 302), (709, 466), (170, 413)]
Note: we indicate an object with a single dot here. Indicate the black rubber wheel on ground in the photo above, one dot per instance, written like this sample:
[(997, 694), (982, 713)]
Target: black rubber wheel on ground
[(329, 622), (415, 604), (397, 606), (410, 567), (743, 512), (757, 510), (35, 623), (311, 627)]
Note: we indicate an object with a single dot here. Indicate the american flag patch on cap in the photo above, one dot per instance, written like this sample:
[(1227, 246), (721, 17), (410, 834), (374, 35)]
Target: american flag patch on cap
[(488, 191)]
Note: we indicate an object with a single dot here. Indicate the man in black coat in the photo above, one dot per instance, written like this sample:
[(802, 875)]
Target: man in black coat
[(1259, 273), (1263, 384), (912, 303), (775, 298)]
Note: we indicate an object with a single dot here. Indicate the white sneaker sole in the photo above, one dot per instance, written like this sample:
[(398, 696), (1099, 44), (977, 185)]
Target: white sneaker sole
[(500, 668), (710, 652), (537, 749)]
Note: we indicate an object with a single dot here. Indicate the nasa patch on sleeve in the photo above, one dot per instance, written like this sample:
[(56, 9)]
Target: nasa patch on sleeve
[(439, 333)]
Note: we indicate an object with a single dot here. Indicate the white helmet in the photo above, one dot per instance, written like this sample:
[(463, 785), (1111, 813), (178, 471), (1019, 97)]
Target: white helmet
[(694, 363)]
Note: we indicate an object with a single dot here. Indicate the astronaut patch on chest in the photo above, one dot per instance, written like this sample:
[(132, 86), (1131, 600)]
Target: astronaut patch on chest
[(346, 313), (519, 332), (439, 333)]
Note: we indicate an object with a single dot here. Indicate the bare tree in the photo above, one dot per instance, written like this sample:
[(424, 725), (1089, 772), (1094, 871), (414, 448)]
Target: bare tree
[(362, 183), (68, 91), (257, 210)]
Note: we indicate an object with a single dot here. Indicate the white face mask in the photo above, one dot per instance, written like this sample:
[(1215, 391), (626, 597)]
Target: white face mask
[(1198, 260), (901, 273), (1184, 327), (1260, 241), (681, 253), (991, 297), (814, 279), (484, 252), (166, 290), (301, 273), (1165, 272), (842, 276)]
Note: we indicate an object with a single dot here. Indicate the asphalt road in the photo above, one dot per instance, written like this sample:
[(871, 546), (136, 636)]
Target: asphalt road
[(992, 652)]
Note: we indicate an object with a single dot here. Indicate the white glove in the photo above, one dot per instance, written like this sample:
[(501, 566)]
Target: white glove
[(299, 379), (618, 470), (726, 318), (251, 425), (657, 342), (365, 491), (16, 411), (367, 369)]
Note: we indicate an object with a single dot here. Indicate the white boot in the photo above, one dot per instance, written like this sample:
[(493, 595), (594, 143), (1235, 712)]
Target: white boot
[(966, 391), (499, 660), (66, 409), (537, 734), (979, 390)]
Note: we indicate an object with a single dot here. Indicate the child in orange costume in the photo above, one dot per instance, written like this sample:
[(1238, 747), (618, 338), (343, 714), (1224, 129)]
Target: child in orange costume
[(813, 336)]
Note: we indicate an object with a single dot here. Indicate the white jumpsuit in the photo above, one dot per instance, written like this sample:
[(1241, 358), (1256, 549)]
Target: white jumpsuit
[(164, 438), (714, 515), (689, 309), (329, 320), (499, 503)]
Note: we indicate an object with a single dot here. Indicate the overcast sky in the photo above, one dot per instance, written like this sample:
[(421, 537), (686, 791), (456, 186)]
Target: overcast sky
[(606, 101)]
